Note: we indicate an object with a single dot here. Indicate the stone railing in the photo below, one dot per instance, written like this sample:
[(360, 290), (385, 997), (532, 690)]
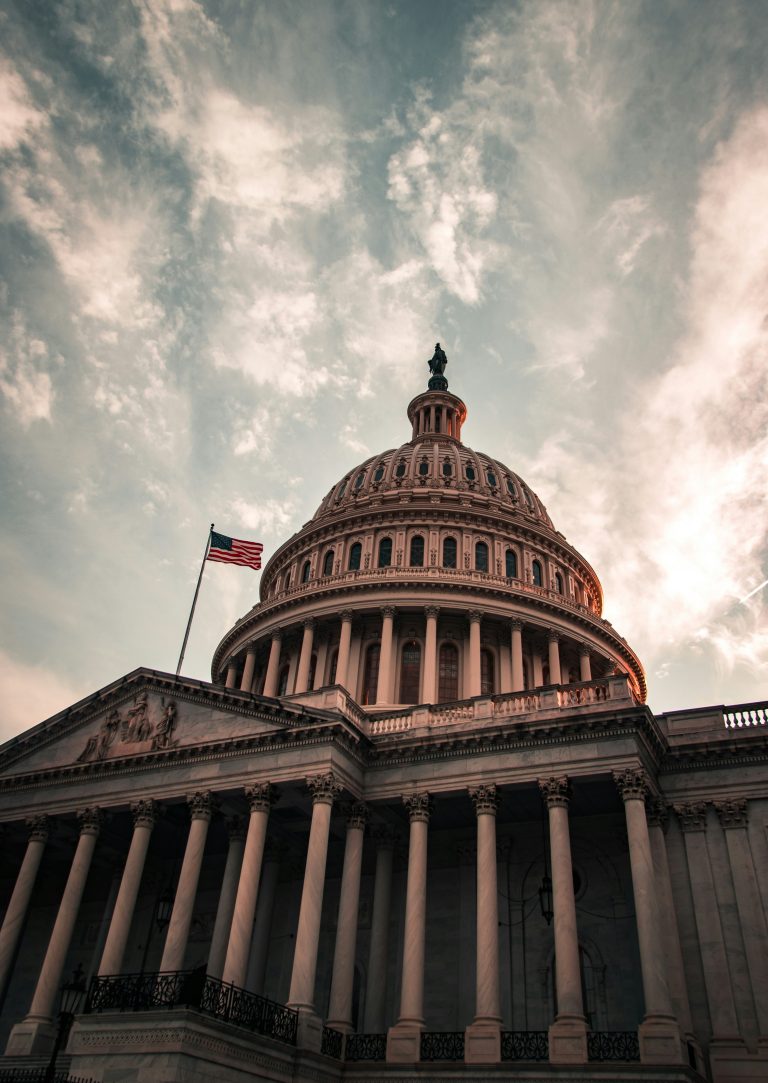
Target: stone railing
[(609, 691), (747, 714), (715, 723)]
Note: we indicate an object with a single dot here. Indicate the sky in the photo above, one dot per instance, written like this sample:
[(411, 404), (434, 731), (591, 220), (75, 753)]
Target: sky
[(231, 233)]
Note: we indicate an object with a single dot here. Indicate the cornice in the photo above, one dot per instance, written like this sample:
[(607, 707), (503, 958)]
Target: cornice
[(750, 747)]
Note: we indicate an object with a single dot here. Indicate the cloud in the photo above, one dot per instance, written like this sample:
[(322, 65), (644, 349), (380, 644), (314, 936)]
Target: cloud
[(270, 516), (19, 116), (31, 693), (24, 383)]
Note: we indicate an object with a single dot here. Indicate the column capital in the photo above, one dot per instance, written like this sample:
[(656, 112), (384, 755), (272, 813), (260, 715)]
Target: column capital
[(419, 806), (485, 799), (277, 632), (324, 788), (516, 625), (235, 828), (357, 815), (90, 820), (553, 637), (632, 783), (732, 812), (39, 828), (475, 616), (144, 813), (584, 650), (261, 796), (309, 622), (657, 812), (692, 815), (346, 615), (384, 837), (555, 790), (432, 611), (388, 611), (251, 649), (201, 805)]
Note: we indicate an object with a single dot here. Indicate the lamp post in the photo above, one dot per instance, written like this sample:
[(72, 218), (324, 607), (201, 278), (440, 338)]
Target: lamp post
[(72, 994)]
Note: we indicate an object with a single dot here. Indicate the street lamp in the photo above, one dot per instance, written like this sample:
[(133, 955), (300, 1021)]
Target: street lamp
[(164, 909), (71, 997)]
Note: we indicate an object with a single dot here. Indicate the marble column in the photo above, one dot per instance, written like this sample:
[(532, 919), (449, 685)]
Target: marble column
[(483, 1035), (585, 664), (404, 1038), (261, 796), (324, 789), (273, 665), (555, 676), (342, 979), (376, 991), (144, 818), (262, 923), (518, 680), (474, 654), (231, 678), (384, 685), (345, 638), (305, 657), (733, 816), (13, 921), (35, 1035), (248, 669), (201, 807), (568, 1033), (659, 1033), (221, 928), (429, 684)]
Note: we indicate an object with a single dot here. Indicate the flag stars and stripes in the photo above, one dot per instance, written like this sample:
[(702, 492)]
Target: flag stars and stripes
[(234, 551)]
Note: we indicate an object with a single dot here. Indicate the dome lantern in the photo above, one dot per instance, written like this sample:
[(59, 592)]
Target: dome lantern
[(436, 412)]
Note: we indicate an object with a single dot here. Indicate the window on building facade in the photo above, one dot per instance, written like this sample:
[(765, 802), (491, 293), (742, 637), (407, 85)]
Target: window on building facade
[(385, 552), (470, 472), (538, 578), (490, 477), (481, 557), (447, 470), (360, 479), (486, 673), (305, 570), (371, 674), (410, 673), (448, 673), (400, 470), (342, 489), (558, 583), (423, 468), (328, 563), (355, 556), (511, 487), (379, 474), (449, 553), (510, 561), (417, 551)]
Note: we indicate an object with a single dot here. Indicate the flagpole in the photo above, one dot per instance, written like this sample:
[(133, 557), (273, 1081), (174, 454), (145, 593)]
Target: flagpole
[(194, 600)]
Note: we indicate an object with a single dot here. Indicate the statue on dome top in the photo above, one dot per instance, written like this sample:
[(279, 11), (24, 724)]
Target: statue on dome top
[(437, 363)]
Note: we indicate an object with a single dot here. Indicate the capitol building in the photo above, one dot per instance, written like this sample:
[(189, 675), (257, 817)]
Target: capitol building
[(419, 825)]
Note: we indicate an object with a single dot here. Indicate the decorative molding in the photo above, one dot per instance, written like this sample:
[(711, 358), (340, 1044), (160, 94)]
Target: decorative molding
[(136, 727), (419, 806), (692, 815), (261, 796), (475, 616), (556, 791), (516, 625), (144, 813), (553, 637), (432, 611), (324, 788), (346, 615), (357, 815), (485, 799), (201, 805), (90, 820), (39, 828), (733, 812), (388, 611), (632, 783)]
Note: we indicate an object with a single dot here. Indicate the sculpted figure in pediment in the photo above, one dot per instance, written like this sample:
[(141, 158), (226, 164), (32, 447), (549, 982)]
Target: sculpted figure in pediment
[(136, 728), (161, 737), (136, 725)]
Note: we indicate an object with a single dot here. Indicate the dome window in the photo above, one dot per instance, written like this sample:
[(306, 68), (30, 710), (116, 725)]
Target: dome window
[(511, 564), (417, 551), (385, 552), (342, 489), (410, 673), (481, 557), (355, 555), (447, 470), (490, 477), (511, 488), (400, 470), (379, 474), (423, 468), (359, 480), (538, 578), (558, 583), (470, 472), (449, 553), (448, 673), (306, 568), (328, 563), (528, 499)]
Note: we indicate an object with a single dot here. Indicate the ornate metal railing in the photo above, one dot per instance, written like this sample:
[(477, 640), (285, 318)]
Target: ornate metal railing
[(366, 1047), (442, 1045), (193, 989), (613, 1045), (332, 1043), (524, 1045)]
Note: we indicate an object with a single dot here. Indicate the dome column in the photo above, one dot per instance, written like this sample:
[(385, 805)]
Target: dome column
[(429, 686), (474, 653), (305, 657), (384, 684), (248, 669), (231, 678), (345, 639), (273, 665), (555, 676), (516, 629), (585, 665), (483, 1036)]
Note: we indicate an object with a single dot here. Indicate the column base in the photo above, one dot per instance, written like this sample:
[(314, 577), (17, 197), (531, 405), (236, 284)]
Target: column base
[(482, 1042), (309, 1030), (32, 1037), (404, 1043), (568, 1040), (660, 1040)]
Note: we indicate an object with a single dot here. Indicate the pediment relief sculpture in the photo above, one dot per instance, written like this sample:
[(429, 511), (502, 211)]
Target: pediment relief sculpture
[(140, 729)]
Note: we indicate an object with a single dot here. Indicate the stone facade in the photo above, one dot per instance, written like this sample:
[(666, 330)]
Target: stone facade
[(321, 865)]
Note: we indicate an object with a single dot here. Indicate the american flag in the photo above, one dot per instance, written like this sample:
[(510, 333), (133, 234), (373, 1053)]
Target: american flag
[(234, 551)]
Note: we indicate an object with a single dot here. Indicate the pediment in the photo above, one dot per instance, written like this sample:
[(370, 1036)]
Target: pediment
[(144, 712)]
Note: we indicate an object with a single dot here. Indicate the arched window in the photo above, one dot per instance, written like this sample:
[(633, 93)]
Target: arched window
[(528, 499), (486, 673), (385, 552), (511, 564), (470, 472), (355, 555), (481, 557), (305, 570), (536, 573), (423, 468), (447, 469), (379, 473), (511, 488), (417, 551), (328, 563), (360, 479), (312, 672), (400, 470), (371, 674), (342, 489), (410, 672), (449, 553), (558, 583), (282, 681), (490, 477), (448, 673), (332, 671)]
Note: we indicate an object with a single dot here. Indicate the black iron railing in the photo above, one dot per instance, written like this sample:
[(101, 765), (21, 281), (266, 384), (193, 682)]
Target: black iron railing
[(524, 1045), (38, 1075), (366, 1047), (332, 1043), (613, 1045), (442, 1045), (193, 989)]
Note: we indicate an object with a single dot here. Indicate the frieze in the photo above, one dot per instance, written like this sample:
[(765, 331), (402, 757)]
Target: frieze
[(141, 727)]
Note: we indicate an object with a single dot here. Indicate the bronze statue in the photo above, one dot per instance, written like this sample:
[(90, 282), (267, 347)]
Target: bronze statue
[(438, 361)]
